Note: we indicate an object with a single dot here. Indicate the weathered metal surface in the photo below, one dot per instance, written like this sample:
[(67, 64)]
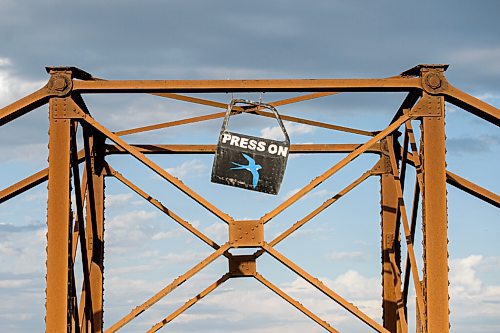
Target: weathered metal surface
[(242, 266), (389, 243), (301, 148), (58, 216), (249, 162), (435, 220), (294, 303), (324, 289), (94, 152), (401, 208), (246, 234), (168, 289), (330, 172), (474, 189), (157, 169), (86, 315), (427, 89), (190, 303), (23, 106), (393, 84)]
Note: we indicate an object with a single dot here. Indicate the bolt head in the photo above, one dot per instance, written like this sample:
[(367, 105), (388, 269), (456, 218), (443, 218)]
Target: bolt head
[(433, 80), (59, 84)]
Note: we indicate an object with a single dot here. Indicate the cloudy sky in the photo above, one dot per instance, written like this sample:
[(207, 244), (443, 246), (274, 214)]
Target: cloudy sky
[(237, 40)]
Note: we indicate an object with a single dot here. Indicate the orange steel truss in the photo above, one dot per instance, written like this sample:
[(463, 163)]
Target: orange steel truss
[(427, 91)]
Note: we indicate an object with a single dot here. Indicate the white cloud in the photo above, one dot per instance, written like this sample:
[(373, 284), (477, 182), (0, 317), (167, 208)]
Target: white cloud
[(290, 194), (36, 196), (13, 87), (130, 229), (463, 276), (23, 252), (488, 96), (117, 199), (129, 290), (178, 258), (152, 112), (5, 62), (316, 193), (14, 283), (164, 235), (28, 152), (321, 193), (489, 58), (217, 231), (472, 300), (276, 133), (354, 285), (339, 256), (188, 169)]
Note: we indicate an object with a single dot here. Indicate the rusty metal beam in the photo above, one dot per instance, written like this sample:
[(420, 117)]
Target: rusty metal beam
[(168, 289), (94, 163), (194, 100), (301, 98), (210, 116), (394, 84), (75, 236), (330, 172), (24, 185), (316, 123), (188, 226), (58, 217), (435, 220), (415, 154), (75, 321), (42, 175), (414, 215), (220, 105), (157, 169), (473, 105), (390, 243), (253, 111), (87, 318), (419, 183), (426, 82), (24, 105), (190, 303), (301, 148), (406, 228), (315, 212), (171, 124), (402, 324), (324, 289), (73, 308), (294, 303), (408, 103), (473, 189), (30, 182)]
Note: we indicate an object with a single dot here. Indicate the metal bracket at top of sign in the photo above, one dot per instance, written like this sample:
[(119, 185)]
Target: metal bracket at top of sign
[(258, 105)]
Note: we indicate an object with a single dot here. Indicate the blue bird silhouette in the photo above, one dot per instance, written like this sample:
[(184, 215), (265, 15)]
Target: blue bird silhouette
[(252, 167)]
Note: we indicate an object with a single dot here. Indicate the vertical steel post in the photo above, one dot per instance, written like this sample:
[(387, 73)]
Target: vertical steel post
[(389, 204), (95, 223), (435, 221), (58, 318)]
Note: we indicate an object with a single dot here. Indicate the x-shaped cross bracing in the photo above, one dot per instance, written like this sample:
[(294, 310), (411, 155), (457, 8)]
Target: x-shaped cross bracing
[(241, 233), (431, 89)]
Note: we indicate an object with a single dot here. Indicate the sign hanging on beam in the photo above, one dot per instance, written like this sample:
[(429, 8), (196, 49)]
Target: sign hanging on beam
[(249, 162)]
